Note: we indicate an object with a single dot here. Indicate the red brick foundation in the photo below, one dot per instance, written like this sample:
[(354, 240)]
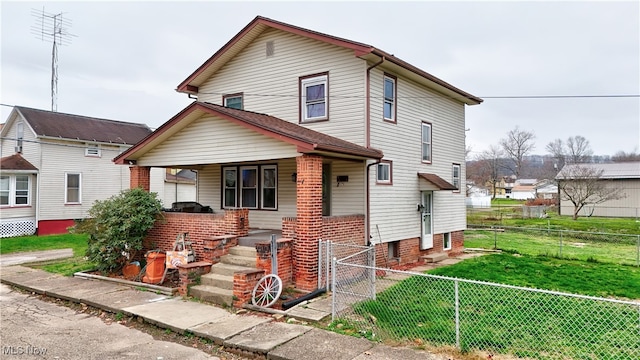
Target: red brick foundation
[(285, 259), (243, 284), (410, 253), (190, 273), (201, 228)]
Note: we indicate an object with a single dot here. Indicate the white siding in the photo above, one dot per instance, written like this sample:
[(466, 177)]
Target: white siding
[(394, 208), (101, 178), (21, 211), (270, 85), (349, 197), (156, 184), (30, 148), (210, 140), (629, 206)]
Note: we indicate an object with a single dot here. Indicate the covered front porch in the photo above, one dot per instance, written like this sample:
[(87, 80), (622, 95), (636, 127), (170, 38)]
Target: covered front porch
[(261, 175)]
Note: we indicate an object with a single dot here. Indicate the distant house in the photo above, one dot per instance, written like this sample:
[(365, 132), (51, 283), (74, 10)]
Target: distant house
[(176, 185), (321, 137), (55, 165), (623, 175), (546, 190)]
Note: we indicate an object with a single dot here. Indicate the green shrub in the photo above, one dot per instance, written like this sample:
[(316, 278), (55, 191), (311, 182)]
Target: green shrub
[(117, 227)]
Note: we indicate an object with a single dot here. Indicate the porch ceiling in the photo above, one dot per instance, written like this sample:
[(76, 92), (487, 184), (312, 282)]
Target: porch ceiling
[(305, 140)]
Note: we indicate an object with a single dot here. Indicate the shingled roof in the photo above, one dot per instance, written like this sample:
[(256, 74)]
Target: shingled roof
[(75, 127), (305, 139), (16, 162)]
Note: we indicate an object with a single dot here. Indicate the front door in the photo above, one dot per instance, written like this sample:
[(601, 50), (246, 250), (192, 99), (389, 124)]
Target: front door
[(426, 240)]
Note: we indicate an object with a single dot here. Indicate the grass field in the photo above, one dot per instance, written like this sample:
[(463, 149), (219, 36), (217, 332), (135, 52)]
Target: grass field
[(512, 321), (621, 249), (67, 267)]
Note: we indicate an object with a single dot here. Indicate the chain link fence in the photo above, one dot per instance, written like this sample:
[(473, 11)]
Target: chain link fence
[(327, 250), (587, 246), (415, 309)]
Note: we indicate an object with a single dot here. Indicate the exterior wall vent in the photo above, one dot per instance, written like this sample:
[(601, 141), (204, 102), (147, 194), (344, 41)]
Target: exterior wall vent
[(270, 48)]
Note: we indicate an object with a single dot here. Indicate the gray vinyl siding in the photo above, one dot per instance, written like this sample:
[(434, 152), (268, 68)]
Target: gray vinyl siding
[(394, 208), (101, 178), (197, 143), (270, 85)]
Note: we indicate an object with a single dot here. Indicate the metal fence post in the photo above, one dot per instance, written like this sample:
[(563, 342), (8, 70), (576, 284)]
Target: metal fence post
[(274, 255), (560, 254), (320, 266), (457, 305), (329, 269), (638, 251), (333, 289), (371, 266)]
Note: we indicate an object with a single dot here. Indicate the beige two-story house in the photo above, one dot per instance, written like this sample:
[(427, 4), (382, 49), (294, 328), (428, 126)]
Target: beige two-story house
[(321, 137)]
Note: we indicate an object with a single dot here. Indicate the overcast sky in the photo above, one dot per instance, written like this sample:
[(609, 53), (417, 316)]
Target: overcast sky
[(127, 58)]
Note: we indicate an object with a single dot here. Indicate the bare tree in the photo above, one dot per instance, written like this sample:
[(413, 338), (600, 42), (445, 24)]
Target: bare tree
[(557, 150), (583, 185), (622, 156), (579, 150), (517, 145), (489, 163)]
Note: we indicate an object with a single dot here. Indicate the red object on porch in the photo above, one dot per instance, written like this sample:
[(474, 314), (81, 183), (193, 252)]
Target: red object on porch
[(155, 267)]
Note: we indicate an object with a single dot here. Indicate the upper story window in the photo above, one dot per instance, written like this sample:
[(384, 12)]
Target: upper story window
[(455, 176), (426, 142), (19, 136), (314, 104), (14, 190), (233, 101), (92, 150), (384, 172), (73, 188), (390, 98)]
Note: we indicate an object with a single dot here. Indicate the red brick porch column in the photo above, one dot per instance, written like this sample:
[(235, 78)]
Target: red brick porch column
[(309, 224), (140, 177)]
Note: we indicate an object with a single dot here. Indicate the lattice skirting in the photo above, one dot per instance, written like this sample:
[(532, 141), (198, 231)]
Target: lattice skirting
[(17, 227)]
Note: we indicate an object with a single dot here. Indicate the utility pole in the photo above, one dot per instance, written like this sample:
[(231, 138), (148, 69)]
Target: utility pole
[(52, 27)]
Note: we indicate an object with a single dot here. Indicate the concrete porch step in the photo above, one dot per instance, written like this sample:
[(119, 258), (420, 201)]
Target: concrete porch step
[(212, 294), (434, 258), (227, 269), (245, 251), (217, 280), (239, 260)]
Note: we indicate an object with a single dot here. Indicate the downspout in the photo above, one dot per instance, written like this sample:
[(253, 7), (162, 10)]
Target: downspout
[(367, 225)]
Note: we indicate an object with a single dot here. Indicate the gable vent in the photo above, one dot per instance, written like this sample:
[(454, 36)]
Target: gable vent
[(270, 48)]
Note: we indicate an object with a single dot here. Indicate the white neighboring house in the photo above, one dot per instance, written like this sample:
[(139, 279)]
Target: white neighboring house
[(623, 175), (176, 185), (55, 165)]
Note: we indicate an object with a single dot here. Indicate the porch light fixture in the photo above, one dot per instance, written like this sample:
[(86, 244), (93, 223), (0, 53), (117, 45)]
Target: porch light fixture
[(294, 177), (420, 207)]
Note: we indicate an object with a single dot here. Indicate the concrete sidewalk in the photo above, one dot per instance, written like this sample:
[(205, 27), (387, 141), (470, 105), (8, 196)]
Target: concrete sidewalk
[(259, 336), (34, 256)]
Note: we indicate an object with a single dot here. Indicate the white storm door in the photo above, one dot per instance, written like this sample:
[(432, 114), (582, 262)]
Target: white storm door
[(426, 240)]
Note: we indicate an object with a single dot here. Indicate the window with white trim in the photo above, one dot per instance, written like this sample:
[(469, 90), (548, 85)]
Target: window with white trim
[(313, 98), (252, 187), (230, 187), (14, 190), (426, 142), (269, 187), (92, 150), (383, 175), (249, 187), (73, 188), (233, 101), (19, 136), (389, 107), (455, 176), (446, 241)]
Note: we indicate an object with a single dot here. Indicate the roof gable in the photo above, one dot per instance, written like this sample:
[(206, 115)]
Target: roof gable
[(259, 24), (306, 140), (51, 124), (622, 170)]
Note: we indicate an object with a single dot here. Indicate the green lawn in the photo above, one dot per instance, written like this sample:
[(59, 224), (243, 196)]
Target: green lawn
[(621, 249), (67, 267), (511, 321)]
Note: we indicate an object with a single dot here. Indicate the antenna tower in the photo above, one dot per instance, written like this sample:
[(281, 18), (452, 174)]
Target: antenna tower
[(52, 27)]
